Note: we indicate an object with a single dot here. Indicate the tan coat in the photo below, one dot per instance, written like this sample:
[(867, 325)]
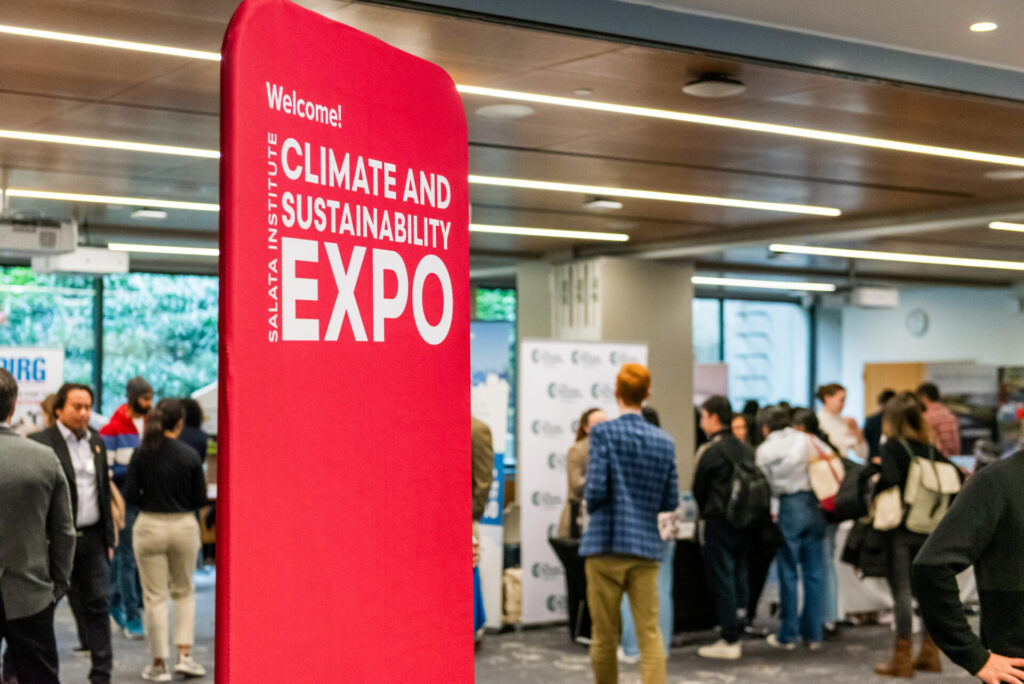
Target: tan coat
[(483, 466), (576, 470)]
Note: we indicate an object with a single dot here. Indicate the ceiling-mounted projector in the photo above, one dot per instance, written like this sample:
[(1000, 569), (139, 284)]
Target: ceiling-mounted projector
[(22, 236)]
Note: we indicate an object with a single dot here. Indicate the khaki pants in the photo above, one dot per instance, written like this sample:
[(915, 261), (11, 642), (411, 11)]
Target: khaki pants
[(166, 548), (608, 577)]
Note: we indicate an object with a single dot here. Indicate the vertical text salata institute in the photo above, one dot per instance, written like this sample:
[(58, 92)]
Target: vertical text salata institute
[(316, 196)]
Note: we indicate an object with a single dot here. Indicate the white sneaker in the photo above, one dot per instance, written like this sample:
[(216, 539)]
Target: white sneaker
[(628, 659), (189, 667), (813, 645), (156, 673), (773, 641), (721, 650)]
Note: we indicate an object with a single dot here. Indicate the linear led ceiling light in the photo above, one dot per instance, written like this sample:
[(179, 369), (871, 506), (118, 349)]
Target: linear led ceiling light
[(763, 284), (548, 232), (652, 195), (896, 256), (109, 42), (110, 144), (163, 249), (741, 124), (145, 202), (1005, 225)]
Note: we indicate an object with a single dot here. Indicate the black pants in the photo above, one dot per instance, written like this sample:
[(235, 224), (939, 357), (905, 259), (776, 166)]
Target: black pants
[(904, 546), (32, 646), (725, 559), (89, 597)]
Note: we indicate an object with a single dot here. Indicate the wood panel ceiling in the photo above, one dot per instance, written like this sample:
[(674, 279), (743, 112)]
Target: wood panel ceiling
[(62, 88)]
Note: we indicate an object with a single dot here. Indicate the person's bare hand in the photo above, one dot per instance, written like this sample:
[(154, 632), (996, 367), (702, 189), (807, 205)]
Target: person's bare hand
[(1000, 669)]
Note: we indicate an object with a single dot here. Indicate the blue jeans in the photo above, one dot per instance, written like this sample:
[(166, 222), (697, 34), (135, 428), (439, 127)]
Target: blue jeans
[(666, 608), (124, 574), (802, 554), (831, 610)]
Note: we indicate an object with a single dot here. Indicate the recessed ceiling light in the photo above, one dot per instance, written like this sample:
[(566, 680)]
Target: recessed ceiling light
[(1006, 225), (109, 42), (983, 26), (158, 214), (106, 199), (896, 256), (1005, 174), (714, 86), (109, 144), (548, 232), (763, 284), (741, 124), (504, 112), (652, 195), (163, 249), (583, 92), (601, 203)]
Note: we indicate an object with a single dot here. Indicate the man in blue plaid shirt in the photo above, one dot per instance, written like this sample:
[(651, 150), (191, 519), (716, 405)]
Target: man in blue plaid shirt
[(631, 477)]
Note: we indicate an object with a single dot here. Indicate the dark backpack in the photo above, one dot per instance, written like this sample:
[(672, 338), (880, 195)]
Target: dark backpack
[(749, 503), (852, 499)]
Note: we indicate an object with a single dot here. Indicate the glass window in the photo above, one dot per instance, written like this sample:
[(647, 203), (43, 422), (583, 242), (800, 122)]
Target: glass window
[(50, 311), (495, 305), (707, 333), (500, 305), (162, 327), (767, 347)]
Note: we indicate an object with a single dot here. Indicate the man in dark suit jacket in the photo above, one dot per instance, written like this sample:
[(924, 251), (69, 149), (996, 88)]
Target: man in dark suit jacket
[(37, 542), (873, 424), (83, 456)]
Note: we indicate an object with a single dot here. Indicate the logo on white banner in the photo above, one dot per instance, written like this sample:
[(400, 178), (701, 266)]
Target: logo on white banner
[(545, 570), (582, 357), (543, 427), (545, 499), (556, 603), (618, 358), (556, 461), (602, 391), (563, 392), (546, 358)]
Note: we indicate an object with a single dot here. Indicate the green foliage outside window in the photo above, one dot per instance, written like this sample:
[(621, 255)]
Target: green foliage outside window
[(495, 305), (50, 311), (162, 327)]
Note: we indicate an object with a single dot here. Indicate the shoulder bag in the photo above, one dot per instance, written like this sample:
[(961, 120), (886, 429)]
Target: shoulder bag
[(826, 472)]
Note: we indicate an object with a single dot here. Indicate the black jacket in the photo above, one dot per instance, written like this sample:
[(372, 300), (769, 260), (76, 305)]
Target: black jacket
[(52, 438), (983, 528), (712, 480), (873, 432)]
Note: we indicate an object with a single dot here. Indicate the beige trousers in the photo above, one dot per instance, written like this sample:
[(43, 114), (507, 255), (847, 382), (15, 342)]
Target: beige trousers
[(166, 549), (608, 578)]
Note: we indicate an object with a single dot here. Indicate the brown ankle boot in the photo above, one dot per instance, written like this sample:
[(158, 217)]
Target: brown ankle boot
[(901, 664), (928, 659)]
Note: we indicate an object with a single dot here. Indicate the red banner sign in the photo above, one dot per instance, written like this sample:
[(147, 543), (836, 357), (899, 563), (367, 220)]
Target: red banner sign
[(344, 542)]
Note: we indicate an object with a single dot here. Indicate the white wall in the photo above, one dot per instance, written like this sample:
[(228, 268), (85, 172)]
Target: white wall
[(965, 324)]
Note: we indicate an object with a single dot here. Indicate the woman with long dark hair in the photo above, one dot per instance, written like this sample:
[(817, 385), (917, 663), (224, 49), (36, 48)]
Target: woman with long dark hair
[(907, 436), (165, 480)]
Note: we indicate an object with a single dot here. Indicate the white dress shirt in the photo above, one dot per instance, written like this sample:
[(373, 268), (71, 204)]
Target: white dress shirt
[(842, 437), (783, 456), (86, 482)]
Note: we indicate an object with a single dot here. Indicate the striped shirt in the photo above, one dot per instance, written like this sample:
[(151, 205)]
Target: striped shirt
[(945, 429)]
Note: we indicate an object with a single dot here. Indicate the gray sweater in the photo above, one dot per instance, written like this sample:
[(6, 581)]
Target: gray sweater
[(37, 535)]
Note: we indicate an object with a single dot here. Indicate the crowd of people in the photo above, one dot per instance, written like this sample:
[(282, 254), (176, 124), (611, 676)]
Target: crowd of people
[(108, 519), (781, 479)]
